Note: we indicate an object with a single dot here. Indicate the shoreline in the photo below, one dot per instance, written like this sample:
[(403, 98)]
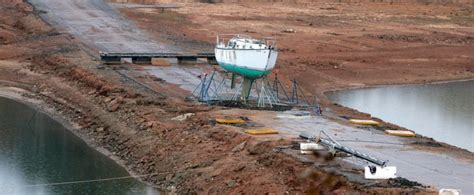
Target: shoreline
[(346, 85), (18, 94), (41, 106), (383, 122), (429, 82), (136, 128)]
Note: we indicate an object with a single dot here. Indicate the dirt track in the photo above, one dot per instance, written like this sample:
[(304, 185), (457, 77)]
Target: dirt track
[(135, 124), (97, 25)]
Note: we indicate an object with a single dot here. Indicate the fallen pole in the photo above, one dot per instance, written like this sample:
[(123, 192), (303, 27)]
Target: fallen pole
[(332, 145)]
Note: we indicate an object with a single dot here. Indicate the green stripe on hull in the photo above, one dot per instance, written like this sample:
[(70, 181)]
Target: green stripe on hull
[(245, 72)]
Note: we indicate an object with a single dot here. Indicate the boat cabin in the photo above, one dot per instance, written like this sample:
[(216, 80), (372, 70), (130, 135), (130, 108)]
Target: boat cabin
[(242, 43)]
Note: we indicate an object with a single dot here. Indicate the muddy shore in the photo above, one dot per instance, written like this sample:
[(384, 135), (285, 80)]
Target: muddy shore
[(37, 102), (134, 124), (333, 46)]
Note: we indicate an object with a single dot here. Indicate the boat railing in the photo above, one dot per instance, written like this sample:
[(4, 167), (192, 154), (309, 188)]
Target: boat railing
[(222, 39)]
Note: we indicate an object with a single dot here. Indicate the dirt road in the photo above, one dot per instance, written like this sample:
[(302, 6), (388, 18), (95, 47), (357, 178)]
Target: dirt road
[(444, 169), (98, 26)]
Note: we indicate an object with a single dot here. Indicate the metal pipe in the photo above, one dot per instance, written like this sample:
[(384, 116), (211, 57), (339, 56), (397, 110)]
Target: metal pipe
[(333, 145), (330, 144)]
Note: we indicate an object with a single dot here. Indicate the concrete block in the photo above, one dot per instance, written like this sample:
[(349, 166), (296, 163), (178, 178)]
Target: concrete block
[(381, 172), (449, 192), (311, 146)]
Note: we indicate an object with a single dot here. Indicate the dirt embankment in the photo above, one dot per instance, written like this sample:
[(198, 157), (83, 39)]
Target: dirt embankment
[(134, 124)]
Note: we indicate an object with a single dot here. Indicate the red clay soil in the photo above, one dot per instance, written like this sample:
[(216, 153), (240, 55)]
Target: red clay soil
[(427, 2), (328, 46), (134, 124), (334, 45)]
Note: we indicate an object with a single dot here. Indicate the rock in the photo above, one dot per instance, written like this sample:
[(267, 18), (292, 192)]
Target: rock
[(240, 168), (108, 99), (328, 8), (289, 30), (239, 147), (231, 183), (149, 124), (112, 107), (183, 117), (160, 177), (157, 79), (249, 31)]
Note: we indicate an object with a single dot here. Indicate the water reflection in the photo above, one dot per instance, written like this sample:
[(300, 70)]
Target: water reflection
[(443, 111)]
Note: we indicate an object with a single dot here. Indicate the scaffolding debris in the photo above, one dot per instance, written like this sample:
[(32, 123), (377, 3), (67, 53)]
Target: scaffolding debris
[(225, 90)]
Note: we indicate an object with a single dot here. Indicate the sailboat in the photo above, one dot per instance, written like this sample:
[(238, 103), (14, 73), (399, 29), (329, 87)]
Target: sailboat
[(245, 56)]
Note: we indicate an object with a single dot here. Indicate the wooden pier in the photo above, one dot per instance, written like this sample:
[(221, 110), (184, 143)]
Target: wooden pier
[(145, 58)]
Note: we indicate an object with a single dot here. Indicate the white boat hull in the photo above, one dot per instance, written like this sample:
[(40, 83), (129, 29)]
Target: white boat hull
[(249, 63)]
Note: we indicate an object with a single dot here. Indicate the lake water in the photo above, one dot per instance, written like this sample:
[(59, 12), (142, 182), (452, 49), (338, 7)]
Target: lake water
[(443, 111), (35, 149)]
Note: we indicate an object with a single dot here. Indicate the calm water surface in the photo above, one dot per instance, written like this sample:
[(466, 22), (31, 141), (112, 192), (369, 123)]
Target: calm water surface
[(34, 149), (443, 111)]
